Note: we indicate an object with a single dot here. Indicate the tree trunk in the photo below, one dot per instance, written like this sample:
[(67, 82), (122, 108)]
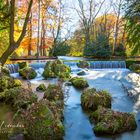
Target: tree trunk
[(6, 54), (30, 35), (38, 38)]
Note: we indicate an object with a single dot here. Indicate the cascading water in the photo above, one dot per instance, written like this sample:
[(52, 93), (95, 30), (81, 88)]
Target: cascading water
[(107, 64), (13, 68)]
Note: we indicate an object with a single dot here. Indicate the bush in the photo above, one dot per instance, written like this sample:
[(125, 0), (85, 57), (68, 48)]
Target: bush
[(129, 63), (61, 49), (112, 122), (83, 64), (120, 50), (91, 99), (40, 123), (79, 82), (23, 65), (27, 73), (41, 87)]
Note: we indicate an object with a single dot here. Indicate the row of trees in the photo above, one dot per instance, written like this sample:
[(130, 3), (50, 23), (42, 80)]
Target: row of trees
[(29, 25), (36, 26), (113, 33)]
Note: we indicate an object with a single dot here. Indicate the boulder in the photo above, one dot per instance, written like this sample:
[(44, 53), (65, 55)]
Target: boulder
[(7, 82), (5, 71), (135, 67), (83, 64), (81, 73), (40, 123), (27, 73), (109, 122), (54, 93), (56, 69), (41, 87), (48, 73), (20, 97), (91, 99), (22, 65), (79, 82)]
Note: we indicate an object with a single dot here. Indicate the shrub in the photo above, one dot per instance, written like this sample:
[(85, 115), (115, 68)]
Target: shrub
[(91, 99), (27, 73), (120, 50), (79, 82)]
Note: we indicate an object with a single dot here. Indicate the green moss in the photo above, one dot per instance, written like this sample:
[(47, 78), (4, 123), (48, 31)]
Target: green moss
[(56, 69), (91, 99), (135, 67), (79, 82), (112, 122), (5, 71), (81, 73), (27, 73), (48, 73), (83, 64), (7, 82), (20, 97), (23, 65), (41, 87), (40, 123), (54, 93)]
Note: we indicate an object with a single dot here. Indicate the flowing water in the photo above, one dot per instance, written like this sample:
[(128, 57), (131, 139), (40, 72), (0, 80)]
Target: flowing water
[(76, 121), (77, 125)]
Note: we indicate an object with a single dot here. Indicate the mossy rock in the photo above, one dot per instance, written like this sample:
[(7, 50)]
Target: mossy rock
[(27, 73), (81, 73), (60, 68), (135, 67), (109, 122), (79, 82), (22, 65), (41, 87), (7, 82), (40, 123), (83, 64), (48, 73), (20, 97), (5, 71), (91, 99), (53, 93), (56, 69)]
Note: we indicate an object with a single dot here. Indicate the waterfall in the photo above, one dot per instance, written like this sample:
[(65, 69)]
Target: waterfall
[(107, 64), (37, 65), (71, 64), (13, 68)]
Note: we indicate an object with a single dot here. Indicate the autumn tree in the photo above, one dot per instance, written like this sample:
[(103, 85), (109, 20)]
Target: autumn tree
[(13, 45)]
